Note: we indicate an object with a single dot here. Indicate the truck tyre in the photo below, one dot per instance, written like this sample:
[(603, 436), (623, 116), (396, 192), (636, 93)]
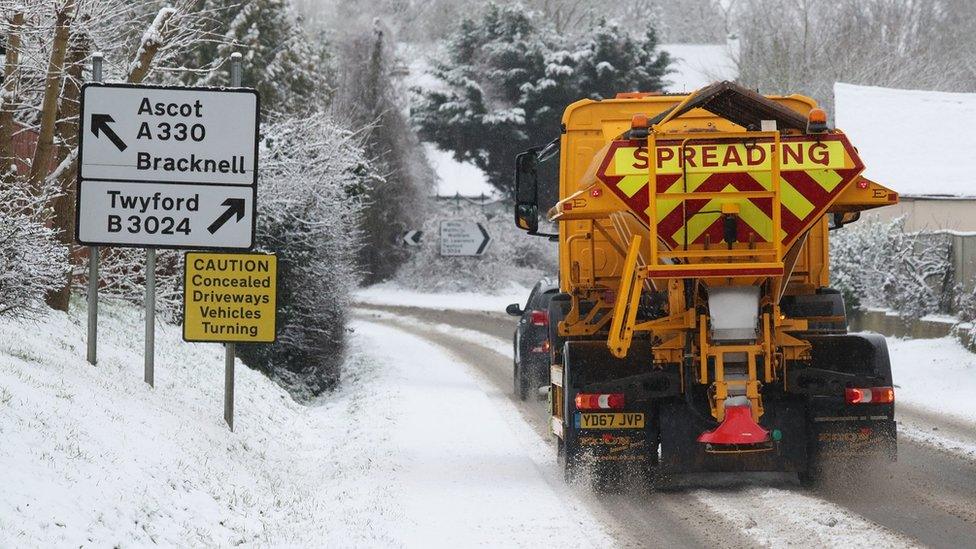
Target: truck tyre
[(812, 477), (568, 452), (571, 461)]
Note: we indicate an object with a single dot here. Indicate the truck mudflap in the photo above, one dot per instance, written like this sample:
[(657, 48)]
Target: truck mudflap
[(681, 452), (618, 446), (628, 433), (845, 439)]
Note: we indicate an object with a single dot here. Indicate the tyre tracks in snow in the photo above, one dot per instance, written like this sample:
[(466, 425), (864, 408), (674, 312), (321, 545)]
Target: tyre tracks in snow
[(926, 498)]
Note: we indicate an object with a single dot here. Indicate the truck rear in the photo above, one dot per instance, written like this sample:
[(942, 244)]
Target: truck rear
[(695, 329)]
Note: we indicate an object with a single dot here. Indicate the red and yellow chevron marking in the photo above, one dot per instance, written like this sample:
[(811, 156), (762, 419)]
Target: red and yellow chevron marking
[(813, 173)]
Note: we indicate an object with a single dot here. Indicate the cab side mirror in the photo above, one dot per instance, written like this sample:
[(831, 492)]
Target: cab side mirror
[(514, 310), (526, 192)]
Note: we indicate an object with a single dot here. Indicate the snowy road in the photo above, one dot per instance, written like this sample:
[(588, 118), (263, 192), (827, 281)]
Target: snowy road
[(928, 498)]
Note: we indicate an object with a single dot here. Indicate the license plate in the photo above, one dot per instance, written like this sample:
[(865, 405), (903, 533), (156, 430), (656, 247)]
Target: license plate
[(609, 421)]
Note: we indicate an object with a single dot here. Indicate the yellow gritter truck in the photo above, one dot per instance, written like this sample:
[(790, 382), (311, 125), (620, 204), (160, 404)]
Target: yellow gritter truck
[(695, 329)]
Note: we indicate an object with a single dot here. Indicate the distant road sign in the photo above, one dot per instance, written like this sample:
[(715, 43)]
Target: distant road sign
[(167, 167), (229, 297), (463, 238), (413, 238)]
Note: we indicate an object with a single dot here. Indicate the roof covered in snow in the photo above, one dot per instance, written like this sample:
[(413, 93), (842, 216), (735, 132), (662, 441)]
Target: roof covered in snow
[(698, 65), (919, 143)]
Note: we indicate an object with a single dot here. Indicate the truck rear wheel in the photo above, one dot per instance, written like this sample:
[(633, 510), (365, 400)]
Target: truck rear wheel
[(569, 459)]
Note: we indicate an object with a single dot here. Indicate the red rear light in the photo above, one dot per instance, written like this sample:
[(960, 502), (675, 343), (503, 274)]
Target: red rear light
[(544, 348), (599, 401), (869, 395), (540, 318)]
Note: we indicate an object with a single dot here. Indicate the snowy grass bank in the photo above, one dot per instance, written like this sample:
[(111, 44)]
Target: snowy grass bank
[(93, 456)]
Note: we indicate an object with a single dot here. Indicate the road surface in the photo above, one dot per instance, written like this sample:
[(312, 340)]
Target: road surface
[(927, 498)]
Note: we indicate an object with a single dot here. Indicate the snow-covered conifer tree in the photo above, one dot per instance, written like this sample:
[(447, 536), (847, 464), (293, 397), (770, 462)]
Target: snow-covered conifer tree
[(507, 79)]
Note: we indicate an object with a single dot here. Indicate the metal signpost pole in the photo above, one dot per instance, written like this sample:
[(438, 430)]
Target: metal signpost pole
[(236, 81), (150, 316), (229, 385), (93, 257)]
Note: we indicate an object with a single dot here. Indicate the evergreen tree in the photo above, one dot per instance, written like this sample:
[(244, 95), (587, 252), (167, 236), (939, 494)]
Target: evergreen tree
[(508, 79), (394, 203), (290, 69)]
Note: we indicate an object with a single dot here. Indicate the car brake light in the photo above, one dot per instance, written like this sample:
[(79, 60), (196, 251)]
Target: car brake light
[(869, 395), (540, 318), (599, 401), (544, 348)]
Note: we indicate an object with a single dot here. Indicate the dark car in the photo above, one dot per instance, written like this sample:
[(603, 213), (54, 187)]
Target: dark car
[(531, 340)]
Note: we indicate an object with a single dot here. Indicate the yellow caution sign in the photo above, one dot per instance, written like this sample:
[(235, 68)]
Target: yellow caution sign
[(229, 297)]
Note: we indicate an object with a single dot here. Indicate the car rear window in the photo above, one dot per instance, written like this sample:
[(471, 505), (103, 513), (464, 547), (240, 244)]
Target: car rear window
[(542, 300)]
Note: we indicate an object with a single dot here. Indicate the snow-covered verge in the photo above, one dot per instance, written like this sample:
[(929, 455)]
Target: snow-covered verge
[(92, 456), (392, 294), (935, 375)]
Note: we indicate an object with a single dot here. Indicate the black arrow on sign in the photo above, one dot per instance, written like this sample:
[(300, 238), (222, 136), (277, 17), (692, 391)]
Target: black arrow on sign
[(234, 206), (99, 123), (484, 243)]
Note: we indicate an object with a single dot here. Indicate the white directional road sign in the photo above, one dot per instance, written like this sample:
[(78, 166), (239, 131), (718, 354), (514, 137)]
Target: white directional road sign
[(167, 167), (126, 213), (459, 237)]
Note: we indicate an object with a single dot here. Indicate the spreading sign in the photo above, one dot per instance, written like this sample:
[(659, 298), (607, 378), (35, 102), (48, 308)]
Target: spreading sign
[(813, 173), (463, 238), (167, 167), (229, 297)]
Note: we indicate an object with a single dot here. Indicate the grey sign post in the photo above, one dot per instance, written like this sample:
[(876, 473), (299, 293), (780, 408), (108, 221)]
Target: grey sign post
[(236, 79), (93, 256), (150, 306), (463, 238)]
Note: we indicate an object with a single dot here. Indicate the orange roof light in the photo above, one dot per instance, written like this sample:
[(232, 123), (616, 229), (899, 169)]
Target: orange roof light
[(639, 121), (817, 121)]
